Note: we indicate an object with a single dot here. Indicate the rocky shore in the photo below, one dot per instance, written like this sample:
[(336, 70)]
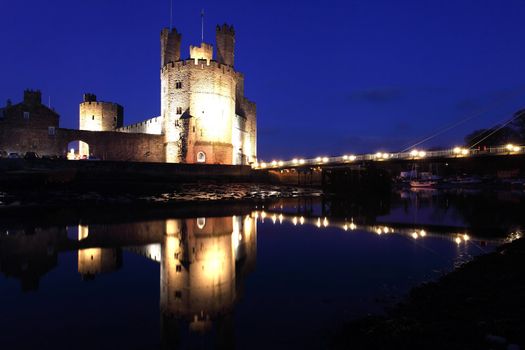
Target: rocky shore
[(480, 305)]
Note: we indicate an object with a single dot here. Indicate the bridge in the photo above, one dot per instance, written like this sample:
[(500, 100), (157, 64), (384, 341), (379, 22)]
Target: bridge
[(413, 155)]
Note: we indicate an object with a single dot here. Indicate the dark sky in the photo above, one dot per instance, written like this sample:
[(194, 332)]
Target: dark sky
[(329, 77)]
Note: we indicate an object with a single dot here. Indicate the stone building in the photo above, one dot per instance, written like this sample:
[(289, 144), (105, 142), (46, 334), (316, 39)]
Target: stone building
[(205, 117)]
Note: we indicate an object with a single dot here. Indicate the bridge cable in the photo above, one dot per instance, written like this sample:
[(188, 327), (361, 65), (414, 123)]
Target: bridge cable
[(495, 105), (499, 128)]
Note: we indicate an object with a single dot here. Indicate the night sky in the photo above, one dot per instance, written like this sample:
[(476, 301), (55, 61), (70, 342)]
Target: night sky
[(328, 77)]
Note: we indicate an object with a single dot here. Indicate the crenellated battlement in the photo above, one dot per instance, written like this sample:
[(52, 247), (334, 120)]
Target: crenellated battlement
[(200, 64), (225, 28)]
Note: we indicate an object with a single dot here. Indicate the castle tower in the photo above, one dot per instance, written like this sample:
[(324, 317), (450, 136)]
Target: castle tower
[(206, 118), (169, 46), (100, 116), (225, 37)]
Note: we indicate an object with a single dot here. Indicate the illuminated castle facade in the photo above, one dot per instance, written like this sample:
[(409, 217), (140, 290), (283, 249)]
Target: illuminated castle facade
[(205, 117)]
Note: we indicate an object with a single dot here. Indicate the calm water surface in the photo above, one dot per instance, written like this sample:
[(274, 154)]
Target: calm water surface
[(280, 274)]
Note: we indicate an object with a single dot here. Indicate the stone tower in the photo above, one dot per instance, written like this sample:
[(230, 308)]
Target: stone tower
[(169, 46), (225, 37), (206, 118), (100, 116)]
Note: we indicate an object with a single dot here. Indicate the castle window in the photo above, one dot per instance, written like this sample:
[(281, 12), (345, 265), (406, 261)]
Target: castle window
[(194, 129), (51, 130), (26, 115), (201, 157), (178, 85), (93, 118), (179, 268), (201, 222), (178, 294), (179, 110)]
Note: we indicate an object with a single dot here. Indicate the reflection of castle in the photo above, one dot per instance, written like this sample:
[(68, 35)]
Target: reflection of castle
[(198, 270), (205, 117), (203, 262)]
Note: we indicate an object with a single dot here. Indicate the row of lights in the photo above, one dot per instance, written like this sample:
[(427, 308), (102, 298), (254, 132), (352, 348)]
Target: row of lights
[(458, 151), (512, 148), (352, 226)]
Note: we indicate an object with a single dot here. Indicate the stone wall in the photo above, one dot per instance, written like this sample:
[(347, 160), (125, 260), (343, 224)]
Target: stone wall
[(149, 126), (103, 145)]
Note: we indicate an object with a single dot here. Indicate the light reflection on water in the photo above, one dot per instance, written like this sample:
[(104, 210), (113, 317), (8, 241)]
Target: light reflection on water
[(280, 275)]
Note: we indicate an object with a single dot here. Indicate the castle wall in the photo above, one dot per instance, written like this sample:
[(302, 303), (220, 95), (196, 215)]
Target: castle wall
[(103, 145), (149, 126)]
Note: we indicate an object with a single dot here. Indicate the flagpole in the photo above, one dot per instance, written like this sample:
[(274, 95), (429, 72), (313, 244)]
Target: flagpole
[(202, 25)]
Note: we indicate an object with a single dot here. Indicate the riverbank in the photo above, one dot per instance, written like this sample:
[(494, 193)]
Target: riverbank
[(480, 305)]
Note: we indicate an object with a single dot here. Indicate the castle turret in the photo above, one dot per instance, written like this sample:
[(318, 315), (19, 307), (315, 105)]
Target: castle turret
[(225, 37), (100, 116), (169, 46)]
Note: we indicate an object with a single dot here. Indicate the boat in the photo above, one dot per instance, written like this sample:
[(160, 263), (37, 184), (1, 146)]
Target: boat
[(422, 183)]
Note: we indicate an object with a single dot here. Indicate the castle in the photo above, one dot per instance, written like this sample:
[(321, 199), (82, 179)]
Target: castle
[(205, 117)]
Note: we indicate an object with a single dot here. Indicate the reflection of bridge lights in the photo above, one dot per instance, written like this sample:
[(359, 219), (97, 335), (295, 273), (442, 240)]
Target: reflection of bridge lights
[(318, 224), (415, 235), (345, 227), (294, 220), (512, 148), (325, 222), (353, 226), (274, 218), (466, 237), (301, 220), (458, 240), (280, 218), (422, 233), (379, 230)]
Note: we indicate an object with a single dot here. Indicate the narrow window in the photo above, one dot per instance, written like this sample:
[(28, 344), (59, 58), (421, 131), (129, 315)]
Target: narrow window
[(193, 129), (178, 85), (179, 110), (26, 115), (179, 268), (178, 294), (201, 157), (51, 130), (93, 118)]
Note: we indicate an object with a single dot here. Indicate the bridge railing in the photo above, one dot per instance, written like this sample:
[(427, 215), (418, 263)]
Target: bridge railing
[(414, 154)]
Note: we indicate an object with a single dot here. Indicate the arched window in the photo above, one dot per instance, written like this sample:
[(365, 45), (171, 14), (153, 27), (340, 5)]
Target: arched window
[(201, 222), (201, 157)]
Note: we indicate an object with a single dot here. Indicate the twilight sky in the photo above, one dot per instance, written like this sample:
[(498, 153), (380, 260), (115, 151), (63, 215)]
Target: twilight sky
[(328, 77)]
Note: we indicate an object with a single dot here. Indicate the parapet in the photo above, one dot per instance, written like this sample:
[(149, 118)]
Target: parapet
[(201, 64), (202, 52)]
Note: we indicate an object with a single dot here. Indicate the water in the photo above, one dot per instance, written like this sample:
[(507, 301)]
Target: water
[(274, 274)]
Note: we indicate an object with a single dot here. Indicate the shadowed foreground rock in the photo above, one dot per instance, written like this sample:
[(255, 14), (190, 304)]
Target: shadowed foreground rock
[(479, 306)]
